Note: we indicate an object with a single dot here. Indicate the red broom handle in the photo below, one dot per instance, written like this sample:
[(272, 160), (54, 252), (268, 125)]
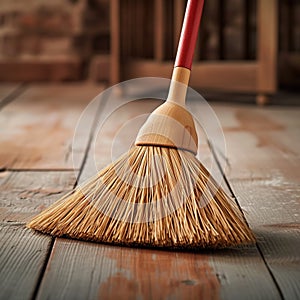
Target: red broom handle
[(189, 34)]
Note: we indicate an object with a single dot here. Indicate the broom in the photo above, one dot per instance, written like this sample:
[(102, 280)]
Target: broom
[(158, 194)]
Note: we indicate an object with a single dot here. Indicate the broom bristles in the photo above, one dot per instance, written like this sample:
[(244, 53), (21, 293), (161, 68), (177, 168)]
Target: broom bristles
[(151, 196)]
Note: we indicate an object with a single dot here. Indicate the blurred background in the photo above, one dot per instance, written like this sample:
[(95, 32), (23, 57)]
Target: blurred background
[(245, 46)]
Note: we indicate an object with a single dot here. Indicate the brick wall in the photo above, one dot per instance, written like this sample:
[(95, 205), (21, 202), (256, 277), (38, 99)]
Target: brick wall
[(51, 40), (69, 39)]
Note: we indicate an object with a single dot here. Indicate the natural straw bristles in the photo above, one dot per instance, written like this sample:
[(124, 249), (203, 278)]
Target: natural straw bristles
[(151, 196)]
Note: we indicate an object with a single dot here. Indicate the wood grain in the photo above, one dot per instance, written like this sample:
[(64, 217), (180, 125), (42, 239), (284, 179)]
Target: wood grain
[(25, 194), (159, 30), (263, 154), (22, 257), (38, 127), (115, 42), (243, 275), (267, 50), (80, 270), (280, 244), (227, 76)]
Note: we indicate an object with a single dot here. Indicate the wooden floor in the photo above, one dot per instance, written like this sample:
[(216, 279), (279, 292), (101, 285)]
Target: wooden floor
[(37, 124)]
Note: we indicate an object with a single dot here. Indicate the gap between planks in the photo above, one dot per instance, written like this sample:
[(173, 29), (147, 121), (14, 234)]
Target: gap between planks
[(37, 170), (39, 126), (263, 154), (10, 94), (99, 112), (21, 261), (50, 253), (237, 202), (19, 225)]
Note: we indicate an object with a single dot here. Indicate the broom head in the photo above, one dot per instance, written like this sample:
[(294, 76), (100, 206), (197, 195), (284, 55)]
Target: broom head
[(158, 194)]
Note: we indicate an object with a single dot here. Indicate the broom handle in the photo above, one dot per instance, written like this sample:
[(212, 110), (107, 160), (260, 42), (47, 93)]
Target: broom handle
[(185, 51)]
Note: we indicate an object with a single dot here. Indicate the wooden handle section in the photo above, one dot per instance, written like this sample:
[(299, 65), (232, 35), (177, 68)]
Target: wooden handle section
[(185, 52), (189, 34), (178, 85), (170, 125)]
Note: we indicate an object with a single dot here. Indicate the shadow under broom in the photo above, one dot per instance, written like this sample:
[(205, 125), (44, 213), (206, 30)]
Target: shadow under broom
[(158, 194)]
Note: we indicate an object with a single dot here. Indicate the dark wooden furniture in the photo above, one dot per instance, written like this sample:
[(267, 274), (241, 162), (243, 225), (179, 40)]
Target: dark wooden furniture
[(257, 76)]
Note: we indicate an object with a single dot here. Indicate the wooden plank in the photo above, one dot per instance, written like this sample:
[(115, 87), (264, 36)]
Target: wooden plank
[(159, 30), (25, 194), (41, 68), (38, 127), (99, 68), (280, 244), (144, 68), (267, 41), (268, 133), (81, 270), (22, 257), (9, 92), (230, 76), (232, 30), (6, 89), (243, 275), (272, 210), (263, 153), (115, 41), (225, 76)]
